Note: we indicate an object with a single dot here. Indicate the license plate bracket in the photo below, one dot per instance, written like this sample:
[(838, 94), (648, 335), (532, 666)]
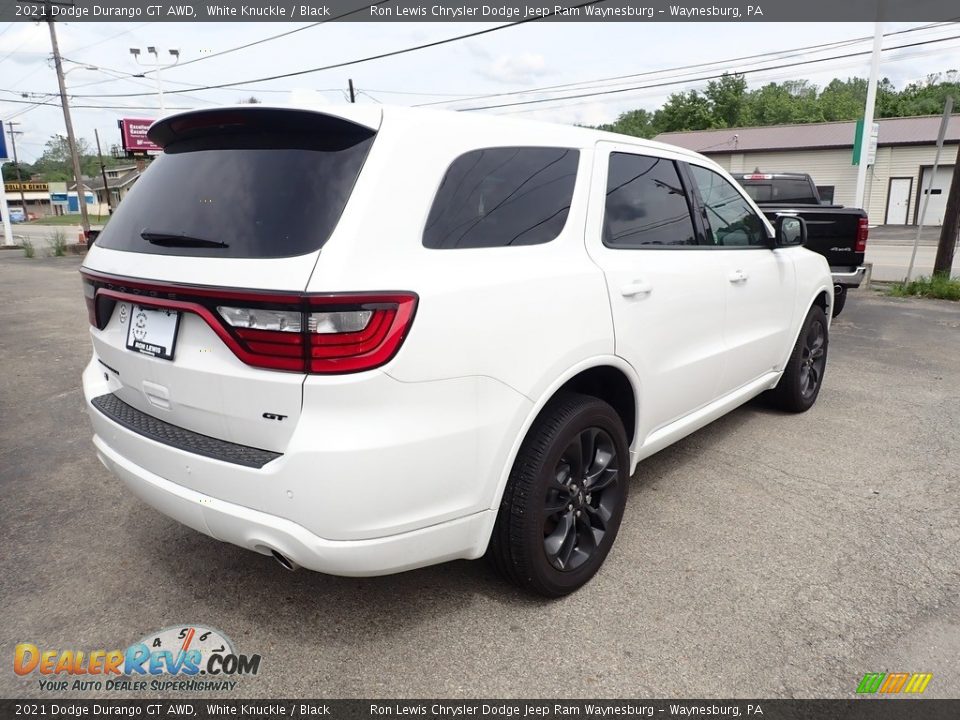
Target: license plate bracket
[(153, 331)]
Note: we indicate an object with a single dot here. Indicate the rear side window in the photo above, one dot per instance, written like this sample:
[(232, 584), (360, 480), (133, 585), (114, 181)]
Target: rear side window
[(646, 205), (785, 191), (254, 184), (503, 196)]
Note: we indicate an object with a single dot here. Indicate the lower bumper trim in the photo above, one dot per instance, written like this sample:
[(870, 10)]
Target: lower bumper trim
[(178, 437)]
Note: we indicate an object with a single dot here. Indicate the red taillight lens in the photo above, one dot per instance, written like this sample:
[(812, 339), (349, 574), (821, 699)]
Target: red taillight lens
[(863, 230), (354, 333), (89, 296), (322, 334)]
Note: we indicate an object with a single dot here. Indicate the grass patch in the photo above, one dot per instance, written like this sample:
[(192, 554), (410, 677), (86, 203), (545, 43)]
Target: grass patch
[(58, 243), (70, 220), (938, 286), (28, 250)]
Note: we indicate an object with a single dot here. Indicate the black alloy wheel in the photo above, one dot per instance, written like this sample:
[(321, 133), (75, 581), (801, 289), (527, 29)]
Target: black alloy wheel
[(564, 499)]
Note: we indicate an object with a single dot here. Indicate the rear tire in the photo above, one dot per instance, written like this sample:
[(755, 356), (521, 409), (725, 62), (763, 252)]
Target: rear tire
[(839, 299), (802, 378), (564, 499)]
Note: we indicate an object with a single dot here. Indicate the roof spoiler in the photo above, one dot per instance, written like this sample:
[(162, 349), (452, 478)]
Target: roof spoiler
[(294, 124)]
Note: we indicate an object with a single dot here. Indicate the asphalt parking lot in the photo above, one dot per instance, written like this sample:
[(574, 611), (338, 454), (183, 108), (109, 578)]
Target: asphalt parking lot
[(767, 555)]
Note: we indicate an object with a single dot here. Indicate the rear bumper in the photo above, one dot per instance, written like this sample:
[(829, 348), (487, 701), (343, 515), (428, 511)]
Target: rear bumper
[(378, 477), (258, 531), (849, 278)]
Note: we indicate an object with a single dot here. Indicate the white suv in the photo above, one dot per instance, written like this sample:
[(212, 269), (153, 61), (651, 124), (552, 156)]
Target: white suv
[(369, 339)]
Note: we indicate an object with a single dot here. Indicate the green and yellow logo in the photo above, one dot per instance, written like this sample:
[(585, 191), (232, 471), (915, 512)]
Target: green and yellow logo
[(892, 683)]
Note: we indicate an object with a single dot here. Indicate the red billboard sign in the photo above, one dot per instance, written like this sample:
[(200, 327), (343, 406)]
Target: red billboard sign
[(134, 134)]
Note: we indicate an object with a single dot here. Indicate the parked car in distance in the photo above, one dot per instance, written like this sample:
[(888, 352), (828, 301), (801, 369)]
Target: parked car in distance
[(368, 339), (836, 232)]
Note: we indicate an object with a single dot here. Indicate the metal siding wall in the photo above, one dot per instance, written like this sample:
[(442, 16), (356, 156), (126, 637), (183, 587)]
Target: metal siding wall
[(832, 167)]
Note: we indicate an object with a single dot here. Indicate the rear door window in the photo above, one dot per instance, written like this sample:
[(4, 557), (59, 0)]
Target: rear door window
[(268, 188), (503, 196)]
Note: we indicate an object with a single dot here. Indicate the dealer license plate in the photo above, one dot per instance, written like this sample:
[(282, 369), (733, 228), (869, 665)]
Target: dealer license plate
[(153, 331)]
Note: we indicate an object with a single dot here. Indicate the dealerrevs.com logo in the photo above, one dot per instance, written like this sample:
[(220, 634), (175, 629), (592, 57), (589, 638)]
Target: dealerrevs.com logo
[(187, 657)]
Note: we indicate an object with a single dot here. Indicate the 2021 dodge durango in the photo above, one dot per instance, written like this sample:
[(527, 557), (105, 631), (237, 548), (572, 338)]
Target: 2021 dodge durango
[(369, 339)]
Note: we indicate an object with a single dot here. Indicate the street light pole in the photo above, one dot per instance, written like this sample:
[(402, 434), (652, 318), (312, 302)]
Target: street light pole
[(157, 67), (71, 140)]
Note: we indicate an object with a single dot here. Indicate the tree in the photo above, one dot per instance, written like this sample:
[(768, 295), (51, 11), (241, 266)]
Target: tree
[(685, 111), (55, 165), (638, 123), (727, 96), (10, 171)]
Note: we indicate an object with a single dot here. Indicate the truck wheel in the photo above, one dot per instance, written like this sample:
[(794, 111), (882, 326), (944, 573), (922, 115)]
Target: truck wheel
[(801, 380), (839, 299), (564, 500)]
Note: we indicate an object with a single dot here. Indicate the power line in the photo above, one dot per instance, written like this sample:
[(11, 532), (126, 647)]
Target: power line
[(668, 83), (347, 63), (276, 37), (775, 54)]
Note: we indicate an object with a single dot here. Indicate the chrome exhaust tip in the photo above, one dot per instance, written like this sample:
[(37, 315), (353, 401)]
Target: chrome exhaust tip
[(286, 562)]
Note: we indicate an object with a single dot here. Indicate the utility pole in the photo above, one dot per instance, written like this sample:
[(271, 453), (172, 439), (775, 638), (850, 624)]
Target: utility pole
[(943, 265), (353, 98), (944, 122), (71, 140), (868, 112), (16, 162), (103, 173)]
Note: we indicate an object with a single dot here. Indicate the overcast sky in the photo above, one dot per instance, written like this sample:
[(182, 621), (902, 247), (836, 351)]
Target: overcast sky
[(528, 56)]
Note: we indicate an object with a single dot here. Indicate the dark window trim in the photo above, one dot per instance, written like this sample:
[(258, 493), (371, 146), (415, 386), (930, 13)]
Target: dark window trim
[(701, 214), (684, 183)]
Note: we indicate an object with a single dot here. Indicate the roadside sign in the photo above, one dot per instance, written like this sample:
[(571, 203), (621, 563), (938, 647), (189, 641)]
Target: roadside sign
[(133, 133), (3, 143), (871, 142)]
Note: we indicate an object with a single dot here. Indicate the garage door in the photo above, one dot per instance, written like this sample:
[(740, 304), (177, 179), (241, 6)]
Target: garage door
[(938, 194)]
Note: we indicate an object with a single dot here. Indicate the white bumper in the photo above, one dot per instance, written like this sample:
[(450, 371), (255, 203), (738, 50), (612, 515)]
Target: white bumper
[(404, 476), (462, 538)]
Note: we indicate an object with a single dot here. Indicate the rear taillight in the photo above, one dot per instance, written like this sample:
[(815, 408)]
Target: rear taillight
[(89, 296), (320, 334), (863, 229), (332, 334)]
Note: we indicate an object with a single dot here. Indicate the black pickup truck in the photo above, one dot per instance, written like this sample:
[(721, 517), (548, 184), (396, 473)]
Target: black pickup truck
[(836, 232)]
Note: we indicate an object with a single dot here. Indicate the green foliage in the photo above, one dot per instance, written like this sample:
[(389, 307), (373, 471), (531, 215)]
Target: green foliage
[(54, 165), (28, 249), (728, 102), (938, 286), (58, 243), (10, 171)]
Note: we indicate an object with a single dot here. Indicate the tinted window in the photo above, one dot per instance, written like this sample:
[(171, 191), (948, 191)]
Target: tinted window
[(503, 196), (645, 203), (263, 195), (785, 191), (730, 220)]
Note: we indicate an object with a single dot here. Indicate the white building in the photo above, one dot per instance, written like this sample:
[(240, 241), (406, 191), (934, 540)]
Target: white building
[(904, 161)]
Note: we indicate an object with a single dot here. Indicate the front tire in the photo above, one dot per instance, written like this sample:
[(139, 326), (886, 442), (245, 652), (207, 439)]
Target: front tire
[(802, 378), (565, 497)]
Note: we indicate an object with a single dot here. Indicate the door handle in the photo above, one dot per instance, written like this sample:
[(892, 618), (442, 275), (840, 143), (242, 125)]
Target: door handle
[(737, 277), (637, 287)]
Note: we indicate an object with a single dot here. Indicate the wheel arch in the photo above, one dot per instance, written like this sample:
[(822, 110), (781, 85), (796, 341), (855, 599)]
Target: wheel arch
[(586, 377)]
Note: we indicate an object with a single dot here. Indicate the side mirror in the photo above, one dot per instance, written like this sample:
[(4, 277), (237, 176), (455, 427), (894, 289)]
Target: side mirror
[(790, 230)]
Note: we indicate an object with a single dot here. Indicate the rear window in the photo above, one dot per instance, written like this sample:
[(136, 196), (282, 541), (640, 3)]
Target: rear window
[(785, 191), (503, 196), (235, 188)]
